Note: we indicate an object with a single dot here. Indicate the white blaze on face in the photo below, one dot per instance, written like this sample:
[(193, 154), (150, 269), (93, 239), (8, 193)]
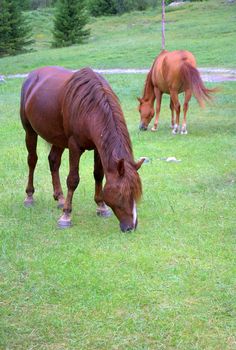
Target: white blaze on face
[(134, 214)]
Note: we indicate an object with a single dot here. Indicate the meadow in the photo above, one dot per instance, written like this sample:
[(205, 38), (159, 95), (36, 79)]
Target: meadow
[(133, 40), (168, 285)]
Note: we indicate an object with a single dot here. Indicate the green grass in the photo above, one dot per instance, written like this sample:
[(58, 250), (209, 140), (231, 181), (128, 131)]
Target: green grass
[(169, 285), (133, 40)]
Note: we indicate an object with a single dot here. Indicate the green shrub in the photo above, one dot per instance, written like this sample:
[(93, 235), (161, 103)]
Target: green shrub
[(111, 7)]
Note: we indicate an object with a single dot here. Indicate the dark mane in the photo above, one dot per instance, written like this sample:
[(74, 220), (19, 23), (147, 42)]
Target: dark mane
[(87, 93)]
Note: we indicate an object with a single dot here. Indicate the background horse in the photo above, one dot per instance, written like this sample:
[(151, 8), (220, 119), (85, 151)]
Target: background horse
[(172, 73), (79, 111)]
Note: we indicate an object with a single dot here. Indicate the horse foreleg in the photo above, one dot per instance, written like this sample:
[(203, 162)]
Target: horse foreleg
[(72, 182), (158, 95), (175, 100), (31, 144), (187, 98), (54, 159), (98, 173)]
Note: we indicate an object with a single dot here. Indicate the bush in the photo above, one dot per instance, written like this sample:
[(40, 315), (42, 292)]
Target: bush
[(111, 7), (102, 7)]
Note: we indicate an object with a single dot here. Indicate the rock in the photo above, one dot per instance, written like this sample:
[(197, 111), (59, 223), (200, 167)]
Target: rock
[(2, 80), (177, 3)]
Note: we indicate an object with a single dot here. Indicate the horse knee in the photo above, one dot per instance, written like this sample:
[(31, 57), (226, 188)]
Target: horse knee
[(54, 162), (32, 160), (185, 107), (73, 181), (177, 107)]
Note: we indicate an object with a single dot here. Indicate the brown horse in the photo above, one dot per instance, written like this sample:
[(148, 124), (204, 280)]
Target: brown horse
[(79, 111), (172, 73)]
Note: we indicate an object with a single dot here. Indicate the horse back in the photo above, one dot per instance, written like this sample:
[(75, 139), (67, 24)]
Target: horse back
[(41, 99)]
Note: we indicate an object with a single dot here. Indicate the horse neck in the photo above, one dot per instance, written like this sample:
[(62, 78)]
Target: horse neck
[(148, 94), (112, 145)]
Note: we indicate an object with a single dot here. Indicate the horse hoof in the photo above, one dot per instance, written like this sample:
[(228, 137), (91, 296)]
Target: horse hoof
[(184, 132), (153, 129), (64, 221), (103, 212), (175, 132), (28, 202)]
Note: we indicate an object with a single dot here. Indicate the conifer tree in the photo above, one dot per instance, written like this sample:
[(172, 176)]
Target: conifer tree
[(70, 20), (20, 33), (14, 31), (4, 28)]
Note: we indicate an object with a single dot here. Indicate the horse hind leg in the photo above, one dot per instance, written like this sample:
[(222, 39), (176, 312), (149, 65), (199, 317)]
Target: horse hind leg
[(31, 145), (175, 100), (54, 159), (187, 98), (172, 125), (98, 173)]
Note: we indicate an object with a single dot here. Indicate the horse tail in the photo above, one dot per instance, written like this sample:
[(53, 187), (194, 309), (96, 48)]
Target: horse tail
[(192, 79)]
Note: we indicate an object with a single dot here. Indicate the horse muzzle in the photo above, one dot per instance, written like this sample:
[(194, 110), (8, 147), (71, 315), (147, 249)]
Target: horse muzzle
[(128, 227), (142, 127)]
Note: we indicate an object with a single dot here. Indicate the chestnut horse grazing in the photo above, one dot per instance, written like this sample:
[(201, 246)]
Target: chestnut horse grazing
[(79, 111), (172, 73)]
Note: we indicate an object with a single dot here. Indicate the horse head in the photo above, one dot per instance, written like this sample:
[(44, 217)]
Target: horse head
[(146, 111), (122, 191)]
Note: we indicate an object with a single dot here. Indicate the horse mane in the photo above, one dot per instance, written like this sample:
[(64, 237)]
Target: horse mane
[(148, 86), (88, 94)]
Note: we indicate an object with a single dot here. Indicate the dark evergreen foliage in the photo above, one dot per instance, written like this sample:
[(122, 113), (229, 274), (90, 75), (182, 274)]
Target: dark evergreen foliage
[(14, 31), (4, 27), (109, 7), (70, 20), (102, 7), (35, 4)]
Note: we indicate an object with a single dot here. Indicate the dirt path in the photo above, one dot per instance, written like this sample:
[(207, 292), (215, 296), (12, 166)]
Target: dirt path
[(207, 74)]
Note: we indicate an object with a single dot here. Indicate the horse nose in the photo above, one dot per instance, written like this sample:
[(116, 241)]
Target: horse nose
[(127, 228), (142, 127)]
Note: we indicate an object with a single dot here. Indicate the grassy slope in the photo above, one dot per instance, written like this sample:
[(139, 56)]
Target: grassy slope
[(133, 40), (169, 285)]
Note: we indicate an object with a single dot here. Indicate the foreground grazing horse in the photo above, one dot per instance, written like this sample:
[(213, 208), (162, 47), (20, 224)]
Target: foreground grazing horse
[(172, 73), (79, 111)]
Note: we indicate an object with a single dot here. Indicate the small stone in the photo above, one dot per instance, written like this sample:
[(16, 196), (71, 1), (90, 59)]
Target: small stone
[(146, 159)]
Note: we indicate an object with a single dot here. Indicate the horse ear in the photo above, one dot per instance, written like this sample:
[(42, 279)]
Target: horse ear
[(139, 163), (139, 99), (121, 167)]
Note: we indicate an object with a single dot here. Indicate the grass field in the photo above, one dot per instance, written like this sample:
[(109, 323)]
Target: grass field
[(133, 40), (170, 284)]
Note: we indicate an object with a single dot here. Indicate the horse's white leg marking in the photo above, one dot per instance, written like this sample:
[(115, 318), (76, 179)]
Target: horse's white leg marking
[(175, 129), (184, 130), (134, 214)]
